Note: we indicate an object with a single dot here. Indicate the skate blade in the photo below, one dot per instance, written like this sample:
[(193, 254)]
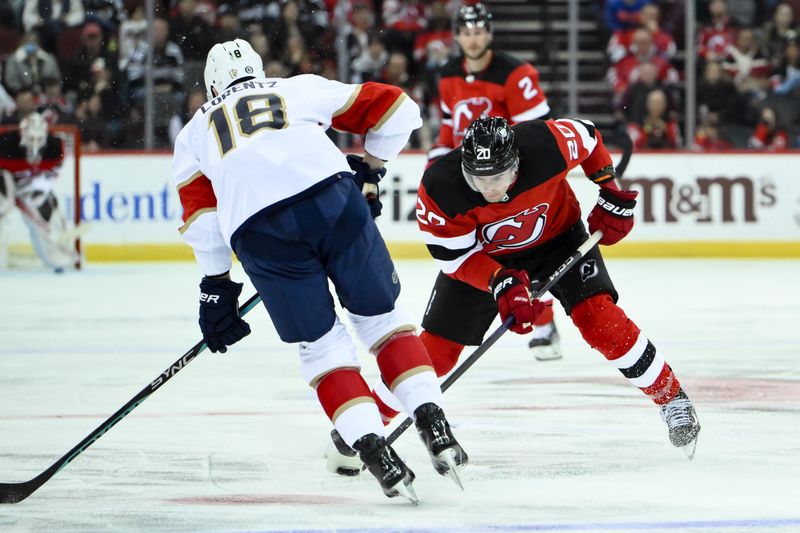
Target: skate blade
[(690, 448), (407, 491), (448, 457)]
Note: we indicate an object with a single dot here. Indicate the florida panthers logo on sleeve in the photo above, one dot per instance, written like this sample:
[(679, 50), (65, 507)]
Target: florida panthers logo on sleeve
[(467, 111), (515, 232)]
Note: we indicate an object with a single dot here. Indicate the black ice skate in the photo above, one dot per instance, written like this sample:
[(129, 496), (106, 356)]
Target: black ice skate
[(447, 455), (681, 419), (341, 458), (391, 472), (546, 347)]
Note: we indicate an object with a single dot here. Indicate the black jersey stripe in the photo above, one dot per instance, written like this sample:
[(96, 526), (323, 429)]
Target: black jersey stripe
[(441, 253)]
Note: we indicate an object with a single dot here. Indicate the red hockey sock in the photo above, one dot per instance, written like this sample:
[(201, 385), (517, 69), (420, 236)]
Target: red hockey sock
[(387, 413), (402, 356), (443, 353), (607, 329), (341, 389)]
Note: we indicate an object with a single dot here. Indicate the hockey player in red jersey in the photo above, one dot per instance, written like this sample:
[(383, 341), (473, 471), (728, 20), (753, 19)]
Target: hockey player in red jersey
[(248, 185), (30, 160), (484, 82), (498, 214)]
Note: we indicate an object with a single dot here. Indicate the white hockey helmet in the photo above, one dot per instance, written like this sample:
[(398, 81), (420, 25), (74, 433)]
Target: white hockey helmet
[(228, 62), (33, 135)]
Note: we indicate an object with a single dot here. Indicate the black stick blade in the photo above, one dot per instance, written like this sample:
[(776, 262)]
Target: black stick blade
[(16, 492)]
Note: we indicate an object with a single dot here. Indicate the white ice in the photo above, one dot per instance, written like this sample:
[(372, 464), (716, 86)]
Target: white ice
[(235, 443)]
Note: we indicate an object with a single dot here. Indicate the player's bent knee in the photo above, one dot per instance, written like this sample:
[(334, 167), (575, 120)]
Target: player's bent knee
[(373, 331), (444, 353), (604, 325), (332, 351)]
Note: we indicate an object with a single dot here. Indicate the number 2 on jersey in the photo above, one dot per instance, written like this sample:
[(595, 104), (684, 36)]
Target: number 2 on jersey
[(249, 120)]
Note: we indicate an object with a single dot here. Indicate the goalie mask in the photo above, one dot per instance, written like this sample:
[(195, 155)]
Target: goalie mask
[(33, 136), (489, 157), (229, 62)]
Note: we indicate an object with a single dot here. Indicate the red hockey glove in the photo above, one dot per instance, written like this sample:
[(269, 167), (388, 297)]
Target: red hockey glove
[(511, 291), (613, 214)]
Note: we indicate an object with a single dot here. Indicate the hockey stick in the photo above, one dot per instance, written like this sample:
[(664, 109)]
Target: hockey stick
[(16, 492), (571, 261)]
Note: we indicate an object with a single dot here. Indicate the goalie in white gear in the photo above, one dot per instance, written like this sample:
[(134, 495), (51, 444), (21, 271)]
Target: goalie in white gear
[(30, 160), (256, 174)]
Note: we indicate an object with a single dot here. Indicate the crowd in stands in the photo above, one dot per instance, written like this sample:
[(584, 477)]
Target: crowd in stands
[(748, 72), (84, 61)]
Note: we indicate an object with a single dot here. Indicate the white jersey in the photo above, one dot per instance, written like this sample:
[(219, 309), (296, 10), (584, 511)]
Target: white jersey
[(262, 142)]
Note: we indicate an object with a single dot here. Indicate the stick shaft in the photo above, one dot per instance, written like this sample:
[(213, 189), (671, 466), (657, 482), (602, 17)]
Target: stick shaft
[(582, 250), (16, 492)]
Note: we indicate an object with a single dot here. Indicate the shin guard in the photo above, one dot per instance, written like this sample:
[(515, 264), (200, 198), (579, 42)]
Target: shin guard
[(407, 370), (607, 329), (345, 397), (443, 353)]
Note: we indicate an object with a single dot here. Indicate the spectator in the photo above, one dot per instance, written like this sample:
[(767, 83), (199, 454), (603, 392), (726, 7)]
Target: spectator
[(190, 31), (99, 113), (357, 33), (7, 105), (643, 50), (298, 58), (775, 33), (132, 33), (228, 25), (368, 66), (79, 75), (24, 104), (620, 44), (708, 135), (403, 19), (167, 63), (769, 135), (29, 65), (275, 69), (260, 43), (168, 80), (48, 18), (657, 130), (194, 101), (746, 64), (108, 13), (54, 107), (719, 34), (438, 34), (624, 14), (306, 19), (786, 78), (633, 105), (716, 94)]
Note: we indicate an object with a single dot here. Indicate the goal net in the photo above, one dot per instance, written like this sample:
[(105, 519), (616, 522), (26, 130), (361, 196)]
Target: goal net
[(16, 248)]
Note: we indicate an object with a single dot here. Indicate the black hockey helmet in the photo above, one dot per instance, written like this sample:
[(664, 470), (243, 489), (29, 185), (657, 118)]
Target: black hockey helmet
[(488, 147), (474, 16)]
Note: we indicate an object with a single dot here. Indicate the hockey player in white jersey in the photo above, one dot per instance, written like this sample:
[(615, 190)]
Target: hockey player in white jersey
[(30, 161), (257, 175)]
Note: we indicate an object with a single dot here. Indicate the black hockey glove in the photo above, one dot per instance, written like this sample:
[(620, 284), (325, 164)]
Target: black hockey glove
[(219, 313), (367, 180)]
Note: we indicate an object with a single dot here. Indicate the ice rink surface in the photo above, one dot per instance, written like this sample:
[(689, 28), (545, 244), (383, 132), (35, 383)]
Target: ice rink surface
[(236, 443)]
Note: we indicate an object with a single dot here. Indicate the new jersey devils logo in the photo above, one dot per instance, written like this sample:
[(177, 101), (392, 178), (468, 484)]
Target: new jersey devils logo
[(466, 111), (515, 232)]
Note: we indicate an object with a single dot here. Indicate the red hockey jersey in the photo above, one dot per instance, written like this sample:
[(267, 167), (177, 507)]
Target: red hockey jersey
[(507, 88), (464, 233), (13, 158)]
